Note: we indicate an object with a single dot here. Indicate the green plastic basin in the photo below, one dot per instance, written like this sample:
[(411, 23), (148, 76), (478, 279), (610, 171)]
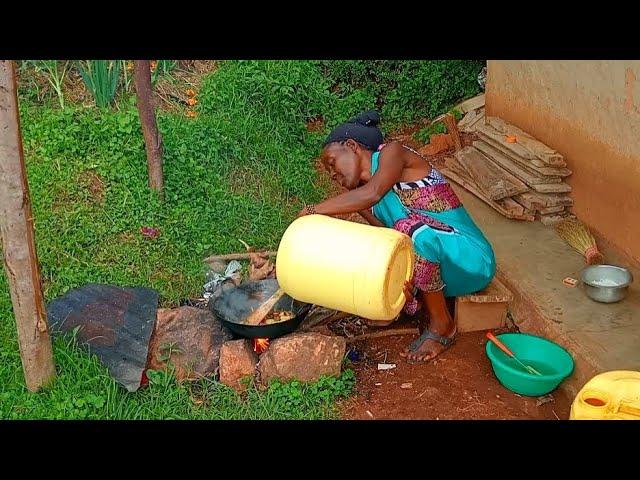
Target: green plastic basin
[(550, 359)]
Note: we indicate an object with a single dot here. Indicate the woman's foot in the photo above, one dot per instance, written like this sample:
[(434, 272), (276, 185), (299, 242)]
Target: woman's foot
[(439, 330), (428, 346)]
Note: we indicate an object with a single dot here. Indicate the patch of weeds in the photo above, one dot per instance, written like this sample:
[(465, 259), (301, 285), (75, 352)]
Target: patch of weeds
[(424, 134), (167, 350)]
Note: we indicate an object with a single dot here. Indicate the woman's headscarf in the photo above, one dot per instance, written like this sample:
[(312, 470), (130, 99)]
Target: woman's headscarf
[(363, 129)]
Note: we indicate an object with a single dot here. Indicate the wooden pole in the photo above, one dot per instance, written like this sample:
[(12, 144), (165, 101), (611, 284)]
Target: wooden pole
[(235, 256), (385, 333), (18, 245), (146, 112)]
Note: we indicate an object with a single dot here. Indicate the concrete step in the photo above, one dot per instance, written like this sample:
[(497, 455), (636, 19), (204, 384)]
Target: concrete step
[(532, 263)]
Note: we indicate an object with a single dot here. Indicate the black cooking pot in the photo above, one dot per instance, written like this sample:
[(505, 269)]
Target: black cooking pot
[(236, 303)]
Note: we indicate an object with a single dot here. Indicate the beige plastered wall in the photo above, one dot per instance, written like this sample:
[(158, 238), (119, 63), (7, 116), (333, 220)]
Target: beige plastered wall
[(589, 111)]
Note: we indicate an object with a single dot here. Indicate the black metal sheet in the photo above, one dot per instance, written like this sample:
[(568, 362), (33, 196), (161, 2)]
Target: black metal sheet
[(116, 324)]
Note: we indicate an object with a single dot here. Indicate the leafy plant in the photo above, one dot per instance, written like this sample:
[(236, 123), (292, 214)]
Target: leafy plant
[(457, 114), (127, 73), (406, 91), (424, 134), (429, 88), (101, 79), (168, 349), (55, 73), (378, 77), (163, 67)]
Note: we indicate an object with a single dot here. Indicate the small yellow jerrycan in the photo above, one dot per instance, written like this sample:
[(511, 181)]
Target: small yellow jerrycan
[(609, 396), (346, 266)]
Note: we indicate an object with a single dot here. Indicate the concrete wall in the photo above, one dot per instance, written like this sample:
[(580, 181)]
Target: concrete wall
[(589, 111)]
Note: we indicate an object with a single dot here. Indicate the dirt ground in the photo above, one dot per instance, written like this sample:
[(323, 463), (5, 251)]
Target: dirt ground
[(458, 385)]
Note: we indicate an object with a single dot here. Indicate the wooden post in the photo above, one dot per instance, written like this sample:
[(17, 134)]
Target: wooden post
[(18, 245), (146, 112), (452, 128)]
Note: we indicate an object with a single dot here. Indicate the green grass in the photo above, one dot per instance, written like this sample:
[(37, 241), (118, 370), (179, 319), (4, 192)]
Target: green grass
[(84, 390), (241, 169)]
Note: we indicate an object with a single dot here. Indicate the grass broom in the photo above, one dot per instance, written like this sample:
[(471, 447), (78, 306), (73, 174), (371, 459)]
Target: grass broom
[(578, 236)]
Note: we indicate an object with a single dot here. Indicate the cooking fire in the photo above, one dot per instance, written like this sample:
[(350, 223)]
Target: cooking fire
[(260, 345)]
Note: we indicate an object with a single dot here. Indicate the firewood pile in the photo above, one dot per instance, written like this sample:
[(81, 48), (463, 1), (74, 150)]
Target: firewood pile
[(511, 171)]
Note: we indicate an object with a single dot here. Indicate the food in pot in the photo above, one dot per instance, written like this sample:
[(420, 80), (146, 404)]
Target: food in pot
[(278, 316)]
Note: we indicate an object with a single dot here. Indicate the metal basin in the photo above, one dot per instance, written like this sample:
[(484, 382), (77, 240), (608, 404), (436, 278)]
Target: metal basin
[(606, 283)]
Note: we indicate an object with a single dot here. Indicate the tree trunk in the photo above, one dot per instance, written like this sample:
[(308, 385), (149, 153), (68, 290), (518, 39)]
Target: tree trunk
[(18, 245), (152, 137)]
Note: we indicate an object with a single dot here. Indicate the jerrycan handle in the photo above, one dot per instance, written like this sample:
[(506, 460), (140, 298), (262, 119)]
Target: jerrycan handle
[(629, 409)]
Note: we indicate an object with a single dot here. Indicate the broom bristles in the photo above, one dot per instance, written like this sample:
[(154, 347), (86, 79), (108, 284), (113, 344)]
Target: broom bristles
[(578, 236)]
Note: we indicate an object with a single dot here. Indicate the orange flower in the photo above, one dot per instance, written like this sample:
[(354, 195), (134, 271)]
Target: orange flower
[(129, 66), (192, 102), (191, 92), (191, 114), (154, 65)]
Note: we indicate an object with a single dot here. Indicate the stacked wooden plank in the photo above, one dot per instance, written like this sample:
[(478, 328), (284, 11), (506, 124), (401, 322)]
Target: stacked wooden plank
[(511, 171), (470, 120)]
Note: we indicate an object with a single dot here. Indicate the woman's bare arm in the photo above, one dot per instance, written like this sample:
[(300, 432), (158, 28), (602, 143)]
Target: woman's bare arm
[(369, 217)]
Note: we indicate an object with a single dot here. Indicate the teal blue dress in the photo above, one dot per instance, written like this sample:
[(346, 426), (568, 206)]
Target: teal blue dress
[(452, 253)]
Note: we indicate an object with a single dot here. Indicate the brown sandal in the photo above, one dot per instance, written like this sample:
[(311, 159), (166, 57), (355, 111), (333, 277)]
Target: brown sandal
[(427, 335)]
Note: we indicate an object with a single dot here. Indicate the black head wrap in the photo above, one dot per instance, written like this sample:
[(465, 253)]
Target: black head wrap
[(363, 129)]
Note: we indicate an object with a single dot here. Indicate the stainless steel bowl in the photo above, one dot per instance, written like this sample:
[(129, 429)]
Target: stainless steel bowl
[(606, 283)]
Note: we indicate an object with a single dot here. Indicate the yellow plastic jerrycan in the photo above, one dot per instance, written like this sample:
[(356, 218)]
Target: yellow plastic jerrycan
[(346, 266), (609, 396)]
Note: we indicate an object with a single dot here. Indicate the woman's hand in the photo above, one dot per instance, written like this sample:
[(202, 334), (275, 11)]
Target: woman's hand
[(303, 212), (408, 292), (412, 305)]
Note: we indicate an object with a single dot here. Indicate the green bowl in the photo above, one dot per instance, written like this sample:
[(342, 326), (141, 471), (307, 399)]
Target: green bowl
[(550, 359)]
